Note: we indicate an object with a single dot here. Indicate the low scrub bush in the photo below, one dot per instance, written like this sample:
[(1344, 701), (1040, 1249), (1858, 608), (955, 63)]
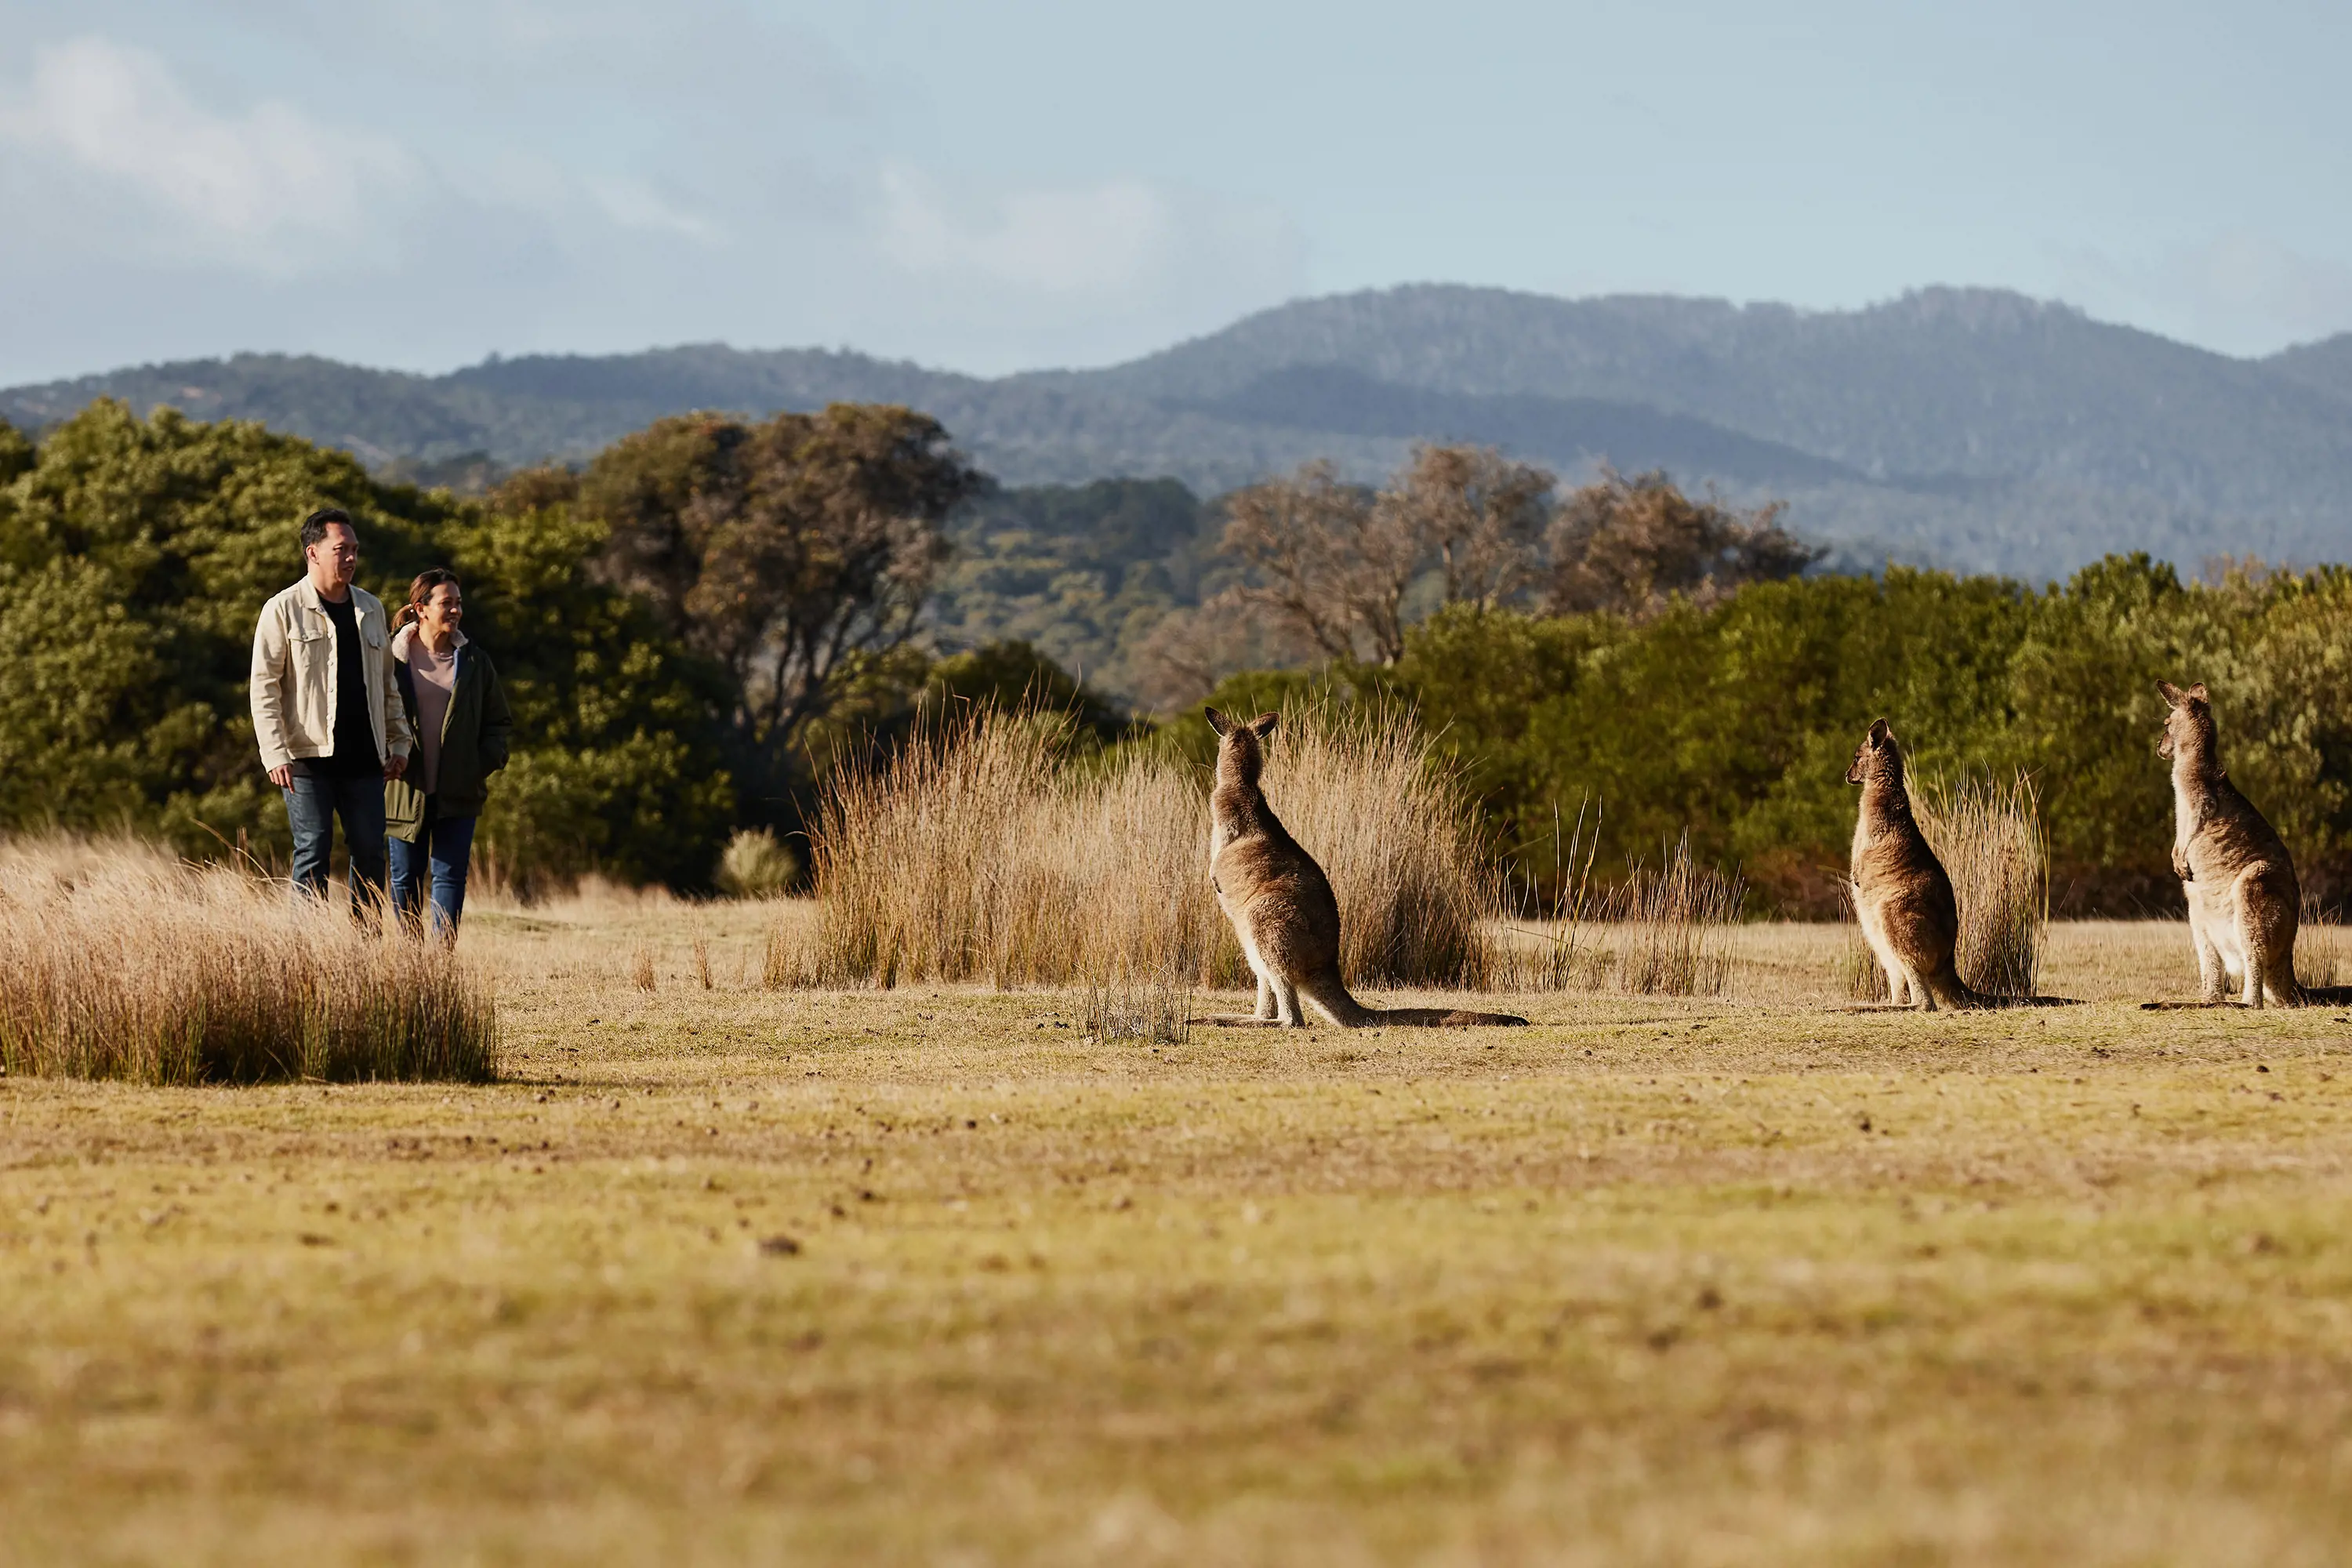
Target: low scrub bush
[(117, 963), (756, 866)]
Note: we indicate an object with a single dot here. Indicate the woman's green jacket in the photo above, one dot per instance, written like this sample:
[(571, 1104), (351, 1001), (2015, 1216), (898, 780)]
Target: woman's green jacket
[(474, 737)]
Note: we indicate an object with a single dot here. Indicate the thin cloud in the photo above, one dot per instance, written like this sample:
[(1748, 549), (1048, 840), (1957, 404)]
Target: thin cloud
[(263, 185), (1101, 240)]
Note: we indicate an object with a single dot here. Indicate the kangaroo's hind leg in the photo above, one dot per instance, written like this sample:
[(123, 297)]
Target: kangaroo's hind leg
[(1265, 1009), (1286, 996), (2213, 974), (1921, 995)]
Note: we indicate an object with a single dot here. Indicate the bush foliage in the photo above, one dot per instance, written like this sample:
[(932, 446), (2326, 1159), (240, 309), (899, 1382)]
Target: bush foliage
[(134, 555), (1735, 723)]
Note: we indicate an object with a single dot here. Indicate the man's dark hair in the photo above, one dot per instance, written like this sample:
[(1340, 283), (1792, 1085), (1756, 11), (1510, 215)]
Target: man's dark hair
[(315, 526)]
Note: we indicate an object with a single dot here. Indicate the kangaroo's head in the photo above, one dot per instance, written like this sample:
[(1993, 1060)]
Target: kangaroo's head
[(1878, 757), (1241, 748), (2188, 724)]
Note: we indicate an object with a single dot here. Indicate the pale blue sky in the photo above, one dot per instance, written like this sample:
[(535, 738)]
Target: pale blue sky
[(1001, 185)]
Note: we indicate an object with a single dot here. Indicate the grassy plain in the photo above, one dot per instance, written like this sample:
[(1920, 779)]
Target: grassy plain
[(724, 1274)]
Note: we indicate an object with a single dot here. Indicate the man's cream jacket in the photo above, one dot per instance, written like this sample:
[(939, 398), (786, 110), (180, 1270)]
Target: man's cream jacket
[(294, 685)]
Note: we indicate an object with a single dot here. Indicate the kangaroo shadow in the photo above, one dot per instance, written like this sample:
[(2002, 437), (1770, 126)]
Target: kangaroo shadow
[(1982, 1004), (2305, 996)]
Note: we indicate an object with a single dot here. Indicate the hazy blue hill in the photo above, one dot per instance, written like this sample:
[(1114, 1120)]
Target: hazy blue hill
[(378, 414), (1966, 427), (1330, 398), (1974, 382), (2325, 366)]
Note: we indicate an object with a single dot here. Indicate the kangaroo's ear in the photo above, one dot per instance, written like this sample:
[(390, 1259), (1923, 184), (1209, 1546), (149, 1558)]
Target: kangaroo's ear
[(2197, 693), (2173, 696), (1263, 725), (1879, 731), (1218, 722)]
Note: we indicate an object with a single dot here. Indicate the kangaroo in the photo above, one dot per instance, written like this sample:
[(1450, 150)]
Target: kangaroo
[(2243, 900), (1280, 902), (1901, 892)]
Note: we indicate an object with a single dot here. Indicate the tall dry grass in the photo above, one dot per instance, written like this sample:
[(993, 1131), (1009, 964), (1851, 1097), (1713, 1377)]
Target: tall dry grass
[(1988, 837), (2323, 947), (118, 963), (989, 852), (1669, 923), (1656, 932)]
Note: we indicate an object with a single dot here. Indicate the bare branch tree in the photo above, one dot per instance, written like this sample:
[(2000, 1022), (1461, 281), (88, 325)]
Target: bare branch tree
[(1478, 513), (1629, 545), (1328, 564)]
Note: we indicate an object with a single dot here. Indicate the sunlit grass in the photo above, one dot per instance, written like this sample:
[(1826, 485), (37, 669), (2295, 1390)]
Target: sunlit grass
[(1736, 1279)]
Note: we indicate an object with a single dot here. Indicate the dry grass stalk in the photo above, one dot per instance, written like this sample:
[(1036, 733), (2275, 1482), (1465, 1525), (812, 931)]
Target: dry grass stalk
[(117, 963), (1154, 1007), (1668, 924), (2322, 947), (1563, 954), (985, 853), (641, 969), (1988, 837), (702, 959)]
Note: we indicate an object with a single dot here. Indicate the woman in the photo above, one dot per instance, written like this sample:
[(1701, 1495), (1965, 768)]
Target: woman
[(459, 711)]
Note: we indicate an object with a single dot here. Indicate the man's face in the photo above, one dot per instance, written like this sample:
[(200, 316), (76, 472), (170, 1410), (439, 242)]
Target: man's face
[(334, 559)]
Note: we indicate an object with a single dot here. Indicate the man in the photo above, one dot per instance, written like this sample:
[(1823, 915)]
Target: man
[(326, 712)]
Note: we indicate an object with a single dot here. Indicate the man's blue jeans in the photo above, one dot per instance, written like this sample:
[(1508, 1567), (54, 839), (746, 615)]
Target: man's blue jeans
[(311, 806), (443, 847)]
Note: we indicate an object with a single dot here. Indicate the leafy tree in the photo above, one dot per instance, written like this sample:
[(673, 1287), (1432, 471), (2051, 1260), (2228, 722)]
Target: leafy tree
[(78, 741), (618, 763), (184, 529), (135, 555), (1082, 573), (779, 551), (882, 701)]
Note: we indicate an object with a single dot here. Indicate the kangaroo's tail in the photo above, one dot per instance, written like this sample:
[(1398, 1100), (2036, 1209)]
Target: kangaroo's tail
[(1445, 1018), (1951, 991), (1329, 994)]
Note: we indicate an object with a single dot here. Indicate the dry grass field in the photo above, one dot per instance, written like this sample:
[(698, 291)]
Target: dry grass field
[(716, 1273)]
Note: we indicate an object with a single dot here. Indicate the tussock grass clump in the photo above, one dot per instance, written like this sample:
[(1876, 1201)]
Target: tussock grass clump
[(117, 963), (1988, 837), (756, 865), (991, 851)]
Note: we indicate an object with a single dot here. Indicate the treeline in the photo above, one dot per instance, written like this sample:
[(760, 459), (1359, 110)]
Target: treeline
[(689, 629), (1737, 722), (709, 615)]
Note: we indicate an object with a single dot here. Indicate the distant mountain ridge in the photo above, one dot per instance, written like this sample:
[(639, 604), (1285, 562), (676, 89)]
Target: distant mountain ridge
[(1975, 428)]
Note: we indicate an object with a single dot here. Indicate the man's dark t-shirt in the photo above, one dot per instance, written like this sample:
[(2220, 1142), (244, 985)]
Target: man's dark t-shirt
[(354, 756)]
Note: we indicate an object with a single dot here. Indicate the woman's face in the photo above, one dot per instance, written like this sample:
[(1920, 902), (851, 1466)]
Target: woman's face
[(442, 611)]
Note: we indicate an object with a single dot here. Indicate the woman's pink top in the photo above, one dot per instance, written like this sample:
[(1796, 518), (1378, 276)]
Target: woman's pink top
[(435, 679)]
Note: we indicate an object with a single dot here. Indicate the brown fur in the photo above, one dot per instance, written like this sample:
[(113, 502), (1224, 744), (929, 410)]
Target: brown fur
[(1280, 903), (2243, 900), (1901, 893)]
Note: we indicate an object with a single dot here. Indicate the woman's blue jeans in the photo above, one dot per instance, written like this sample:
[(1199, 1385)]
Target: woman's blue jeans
[(439, 859)]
